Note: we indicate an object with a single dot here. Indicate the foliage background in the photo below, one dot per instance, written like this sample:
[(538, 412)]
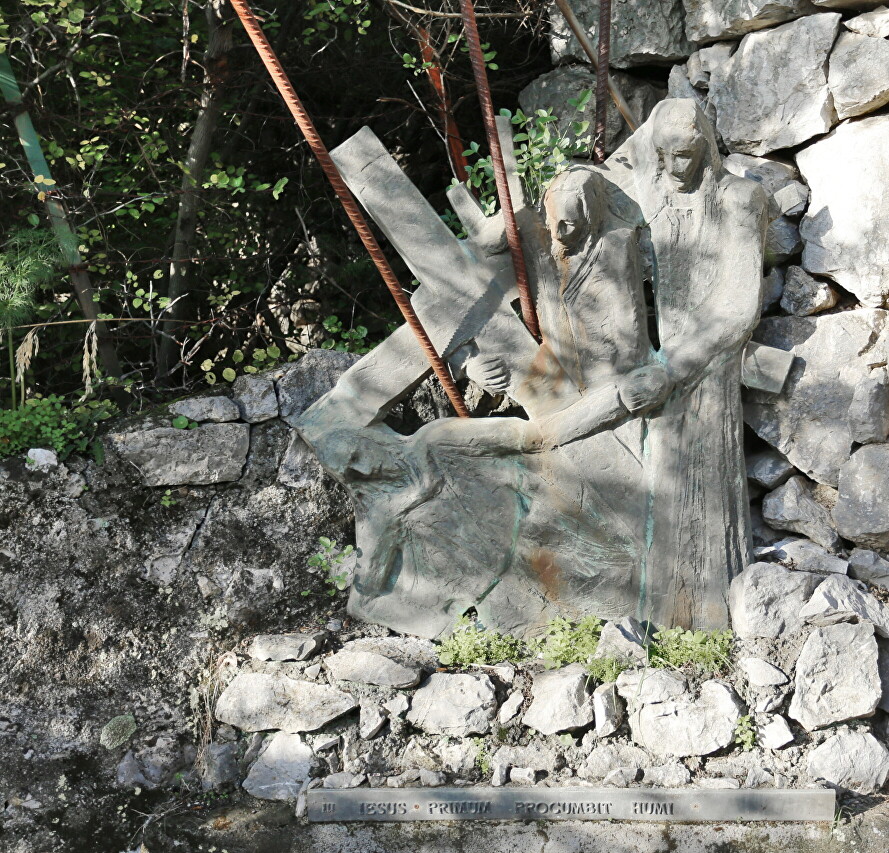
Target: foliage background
[(116, 90)]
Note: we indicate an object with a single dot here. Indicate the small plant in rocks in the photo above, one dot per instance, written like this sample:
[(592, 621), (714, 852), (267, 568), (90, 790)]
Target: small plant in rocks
[(330, 562), (565, 643), (706, 651), (470, 644), (745, 733)]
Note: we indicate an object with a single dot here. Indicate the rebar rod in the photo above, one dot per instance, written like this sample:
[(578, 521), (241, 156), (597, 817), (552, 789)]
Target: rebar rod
[(602, 80), (305, 124), (619, 101), (476, 55)]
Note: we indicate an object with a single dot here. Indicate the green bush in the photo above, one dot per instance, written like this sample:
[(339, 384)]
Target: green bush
[(470, 644), (564, 643), (708, 651), (49, 422)]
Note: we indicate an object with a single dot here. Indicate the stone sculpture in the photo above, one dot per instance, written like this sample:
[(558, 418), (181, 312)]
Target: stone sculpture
[(623, 492)]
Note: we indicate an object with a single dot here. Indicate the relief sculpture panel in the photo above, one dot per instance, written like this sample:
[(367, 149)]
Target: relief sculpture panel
[(622, 490)]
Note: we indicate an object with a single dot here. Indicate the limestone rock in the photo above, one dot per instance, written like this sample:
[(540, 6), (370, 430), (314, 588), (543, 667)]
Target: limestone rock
[(875, 23), (844, 228), (773, 91), (868, 414), (455, 705), (432, 778), (255, 702), (847, 4), (682, 727), (645, 32), (793, 507), (255, 398), (375, 661), (804, 295), (370, 720), (560, 701), (343, 780), (537, 754), (765, 600), (807, 421), (806, 556), (219, 765), (624, 640), (166, 456), (772, 288), (768, 469), (620, 777), (117, 731), (714, 20), (216, 410), (670, 775), (761, 673), (857, 77), (841, 599), (40, 460), (606, 757), (650, 685), (510, 707), (555, 88), (862, 511), (773, 732), (281, 647), (770, 173), (870, 567), (608, 708), (281, 770), (310, 378), (719, 783), (854, 761), (836, 676), (398, 705), (792, 199), (783, 241)]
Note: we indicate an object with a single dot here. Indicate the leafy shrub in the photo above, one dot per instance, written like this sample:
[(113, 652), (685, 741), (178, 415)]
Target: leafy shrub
[(542, 151), (564, 643), (708, 651), (49, 422), (470, 644)]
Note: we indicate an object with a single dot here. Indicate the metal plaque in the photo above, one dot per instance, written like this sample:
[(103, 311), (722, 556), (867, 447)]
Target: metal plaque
[(664, 804)]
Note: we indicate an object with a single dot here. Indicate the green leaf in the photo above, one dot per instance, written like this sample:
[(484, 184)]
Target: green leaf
[(229, 375), (279, 187), (180, 422), (273, 352)]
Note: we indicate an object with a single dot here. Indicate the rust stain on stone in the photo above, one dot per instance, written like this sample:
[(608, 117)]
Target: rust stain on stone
[(543, 564)]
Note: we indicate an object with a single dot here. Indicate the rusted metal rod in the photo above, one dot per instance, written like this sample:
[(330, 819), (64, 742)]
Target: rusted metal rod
[(577, 28), (305, 124), (473, 42), (602, 80)]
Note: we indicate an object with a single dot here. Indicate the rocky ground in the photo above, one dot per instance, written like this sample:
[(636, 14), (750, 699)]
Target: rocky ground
[(169, 683)]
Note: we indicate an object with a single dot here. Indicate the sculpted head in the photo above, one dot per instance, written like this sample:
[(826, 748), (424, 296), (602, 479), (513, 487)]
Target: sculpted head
[(575, 206), (682, 142)]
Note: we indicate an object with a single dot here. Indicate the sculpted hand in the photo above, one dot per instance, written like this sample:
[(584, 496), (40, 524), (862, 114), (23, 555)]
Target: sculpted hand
[(645, 388), (494, 374)]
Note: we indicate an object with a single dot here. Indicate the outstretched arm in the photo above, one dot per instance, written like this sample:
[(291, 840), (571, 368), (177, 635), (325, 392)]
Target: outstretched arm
[(599, 409)]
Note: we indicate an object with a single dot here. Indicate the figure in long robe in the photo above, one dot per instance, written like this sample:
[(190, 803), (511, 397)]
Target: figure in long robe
[(707, 232)]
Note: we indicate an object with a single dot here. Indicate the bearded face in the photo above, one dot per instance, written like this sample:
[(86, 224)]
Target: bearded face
[(682, 154), (572, 215)]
